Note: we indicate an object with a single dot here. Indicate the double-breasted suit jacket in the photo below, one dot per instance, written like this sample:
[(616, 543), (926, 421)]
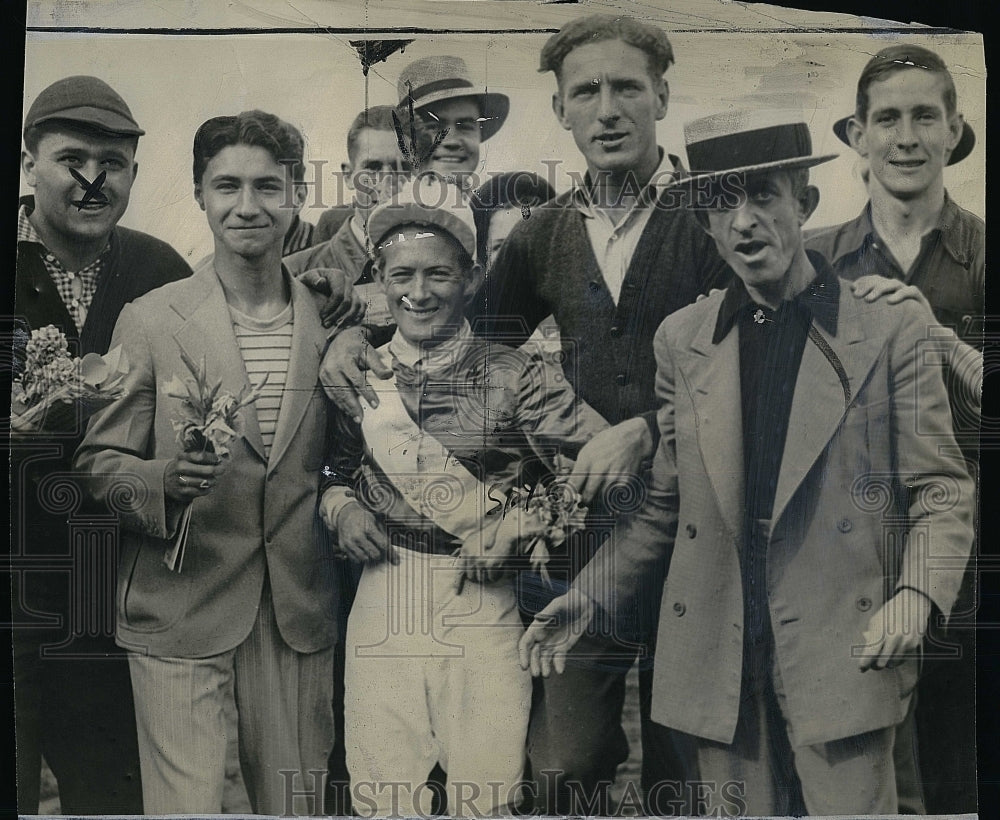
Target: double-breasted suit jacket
[(871, 497), (261, 517)]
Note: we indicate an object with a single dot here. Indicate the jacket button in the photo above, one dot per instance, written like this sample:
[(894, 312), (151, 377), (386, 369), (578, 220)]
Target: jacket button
[(845, 525), (679, 608), (622, 379), (615, 331), (864, 604), (691, 530), (594, 287)]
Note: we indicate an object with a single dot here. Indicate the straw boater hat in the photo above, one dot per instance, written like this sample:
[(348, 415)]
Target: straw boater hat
[(432, 79), (747, 142), (427, 201), (921, 58)]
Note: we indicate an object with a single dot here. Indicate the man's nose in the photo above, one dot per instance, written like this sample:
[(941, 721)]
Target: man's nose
[(607, 104), (417, 291), (246, 203), (906, 135), (743, 219)]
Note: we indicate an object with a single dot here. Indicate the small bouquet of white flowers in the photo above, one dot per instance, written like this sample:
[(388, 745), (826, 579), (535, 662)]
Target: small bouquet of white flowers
[(55, 392), (206, 421), (561, 509)]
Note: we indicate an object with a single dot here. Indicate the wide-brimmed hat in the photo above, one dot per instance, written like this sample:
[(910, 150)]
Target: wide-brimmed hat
[(966, 142), (432, 79), (86, 100), (907, 54), (747, 142), (428, 200)]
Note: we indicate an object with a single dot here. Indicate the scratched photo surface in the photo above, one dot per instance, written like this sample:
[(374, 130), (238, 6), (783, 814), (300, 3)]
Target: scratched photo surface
[(317, 65)]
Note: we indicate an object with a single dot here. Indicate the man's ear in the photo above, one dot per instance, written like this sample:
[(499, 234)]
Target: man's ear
[(198, 196), (299, 192), (956, 124), (557, 109), (662, 97), (474, 281), (808, 200), (856, 136), (28, 168), (135, 170)]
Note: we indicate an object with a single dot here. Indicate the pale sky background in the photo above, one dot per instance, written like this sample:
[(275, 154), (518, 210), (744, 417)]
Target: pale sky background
[(173, 83)]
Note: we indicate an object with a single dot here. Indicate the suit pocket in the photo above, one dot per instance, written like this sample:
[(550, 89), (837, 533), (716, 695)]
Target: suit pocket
[(154, 598)]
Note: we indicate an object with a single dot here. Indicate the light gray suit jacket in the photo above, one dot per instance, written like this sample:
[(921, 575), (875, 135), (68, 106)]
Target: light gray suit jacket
[(261, 516), (871, 496)]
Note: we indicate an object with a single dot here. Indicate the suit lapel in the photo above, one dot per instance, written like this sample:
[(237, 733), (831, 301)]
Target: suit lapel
[(303, 369), (819, 403), (208, 334), (713, 375)]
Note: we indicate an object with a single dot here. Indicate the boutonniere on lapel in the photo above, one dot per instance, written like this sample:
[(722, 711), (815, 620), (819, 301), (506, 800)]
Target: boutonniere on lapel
[(206, 419), (54, 391)]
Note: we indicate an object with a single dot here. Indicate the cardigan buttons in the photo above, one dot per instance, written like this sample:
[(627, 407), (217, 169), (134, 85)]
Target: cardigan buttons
[(691, 530), (594, 287), (679, 609), (621, 379), (845, 525), (615, 330)]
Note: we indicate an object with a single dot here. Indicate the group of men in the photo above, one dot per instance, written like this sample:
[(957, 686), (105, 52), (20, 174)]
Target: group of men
[(728, 449)]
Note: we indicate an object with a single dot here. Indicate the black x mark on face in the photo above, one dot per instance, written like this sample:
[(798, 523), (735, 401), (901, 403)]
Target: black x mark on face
[(91, 190)]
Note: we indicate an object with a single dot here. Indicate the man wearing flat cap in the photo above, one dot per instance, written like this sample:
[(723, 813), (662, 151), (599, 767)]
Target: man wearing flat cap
[(907, 129), (805, 494), (76, 269)]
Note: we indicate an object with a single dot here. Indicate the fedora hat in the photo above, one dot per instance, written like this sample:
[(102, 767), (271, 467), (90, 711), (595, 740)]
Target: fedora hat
[(966, 142), (431, 80), (748, 142)]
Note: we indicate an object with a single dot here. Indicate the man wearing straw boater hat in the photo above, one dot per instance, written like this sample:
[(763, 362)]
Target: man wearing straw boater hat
[(449, 109), (804, 494), (907, 129)]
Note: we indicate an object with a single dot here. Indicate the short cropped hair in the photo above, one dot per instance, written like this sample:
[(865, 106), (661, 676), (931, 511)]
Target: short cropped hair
[(597, 27), (33, 134), (898, 58), (256, 128), (378, 118)]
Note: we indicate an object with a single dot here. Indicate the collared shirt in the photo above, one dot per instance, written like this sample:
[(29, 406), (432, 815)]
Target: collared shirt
[(771, 343), (614, 243), (76, 288), (950, 268)]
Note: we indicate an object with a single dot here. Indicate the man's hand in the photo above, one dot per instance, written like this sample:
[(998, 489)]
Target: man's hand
[(344, 306), (896, 631), (484, 553), (617, 452), (342, 372), (191, 475), (554, 632), (361, 538), (872, 288)]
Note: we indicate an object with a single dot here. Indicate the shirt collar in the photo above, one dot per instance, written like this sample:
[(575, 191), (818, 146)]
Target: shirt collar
[(665, 175), (25, 230), (860, 232), (434, 358), (821, 299)]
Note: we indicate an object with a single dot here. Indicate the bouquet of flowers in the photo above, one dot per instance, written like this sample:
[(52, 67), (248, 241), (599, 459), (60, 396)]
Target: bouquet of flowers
[(54, 391), (562, 512), (206, 421)]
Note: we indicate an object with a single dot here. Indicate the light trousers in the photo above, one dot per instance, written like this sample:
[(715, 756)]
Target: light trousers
[(285, 724), (433, 676)]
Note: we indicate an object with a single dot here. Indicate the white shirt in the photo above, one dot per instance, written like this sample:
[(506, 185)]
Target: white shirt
[(614, 244)]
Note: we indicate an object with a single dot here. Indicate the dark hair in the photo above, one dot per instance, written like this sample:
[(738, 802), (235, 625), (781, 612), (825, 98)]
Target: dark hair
[(798, 179), (33, 134), (898, 58), (516, 189), (597, 27), (465, 262), (378, 117), (257, 128)]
